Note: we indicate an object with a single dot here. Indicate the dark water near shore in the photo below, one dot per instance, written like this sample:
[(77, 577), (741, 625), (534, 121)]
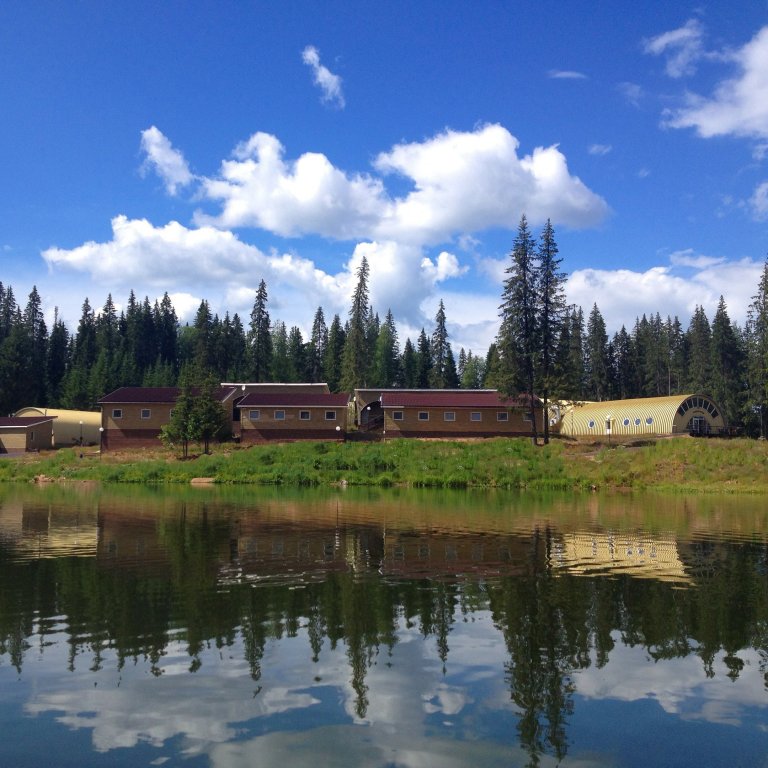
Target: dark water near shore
[(209, 627)]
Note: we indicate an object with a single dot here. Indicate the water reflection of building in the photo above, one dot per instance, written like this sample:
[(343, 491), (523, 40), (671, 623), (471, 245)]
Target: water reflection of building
[(592, 553), (37, 529)]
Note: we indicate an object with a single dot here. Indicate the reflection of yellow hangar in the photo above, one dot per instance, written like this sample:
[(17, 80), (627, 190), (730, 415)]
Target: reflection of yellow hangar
[(673, 415), (646, 556)]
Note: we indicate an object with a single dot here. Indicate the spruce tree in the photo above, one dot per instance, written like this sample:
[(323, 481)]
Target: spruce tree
[(333, 355), (260, 338), (757, 345), (356, 358), (518, 337), (317, 346), (596, 356), (551, 313)]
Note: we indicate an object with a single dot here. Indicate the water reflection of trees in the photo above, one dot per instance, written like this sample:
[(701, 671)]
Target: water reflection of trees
[(553, 623)]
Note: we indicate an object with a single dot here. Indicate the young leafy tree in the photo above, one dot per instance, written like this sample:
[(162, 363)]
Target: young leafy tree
[(180, 429), (260, 338), (209, 418)]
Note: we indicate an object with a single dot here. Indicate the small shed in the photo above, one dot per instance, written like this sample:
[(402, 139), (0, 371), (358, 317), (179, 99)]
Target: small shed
[(19, 434), (70, 427), (693, 414)]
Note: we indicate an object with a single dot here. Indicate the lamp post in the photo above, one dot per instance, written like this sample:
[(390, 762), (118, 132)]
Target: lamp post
[(81, 433), (101, 440)]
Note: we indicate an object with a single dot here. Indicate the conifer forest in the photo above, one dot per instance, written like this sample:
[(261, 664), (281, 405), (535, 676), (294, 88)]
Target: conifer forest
[(543, 346)]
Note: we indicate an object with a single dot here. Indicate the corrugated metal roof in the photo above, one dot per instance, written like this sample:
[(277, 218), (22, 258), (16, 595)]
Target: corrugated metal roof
[(131, 395), (294, 400), (14, 422), (642, 415), (439, 398)]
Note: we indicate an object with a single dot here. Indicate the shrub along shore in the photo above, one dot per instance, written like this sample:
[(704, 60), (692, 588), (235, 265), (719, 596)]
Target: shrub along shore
[(677, 465)]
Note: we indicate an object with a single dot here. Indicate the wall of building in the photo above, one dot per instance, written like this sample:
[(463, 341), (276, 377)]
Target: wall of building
[(462, 424), (267, 427)]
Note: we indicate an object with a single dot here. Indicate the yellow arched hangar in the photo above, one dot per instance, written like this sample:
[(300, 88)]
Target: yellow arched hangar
[(674, 415)]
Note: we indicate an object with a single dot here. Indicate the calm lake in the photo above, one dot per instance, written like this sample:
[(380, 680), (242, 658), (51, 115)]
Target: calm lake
[(263, 627)]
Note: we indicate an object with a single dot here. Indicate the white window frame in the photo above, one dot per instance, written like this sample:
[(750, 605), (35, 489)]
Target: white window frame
[(117, 413), (146, 413), (254, 414), (304, 415), (502, 415), (449, 415), (398, 416), (330, 415), (476, 416), (279, 415), (423, 416)]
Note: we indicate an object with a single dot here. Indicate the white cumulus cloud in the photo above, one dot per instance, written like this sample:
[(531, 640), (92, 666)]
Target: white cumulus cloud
[(167, 162), (738, 105), (470, 181), (759, 202), (462, 182), (329, 84)]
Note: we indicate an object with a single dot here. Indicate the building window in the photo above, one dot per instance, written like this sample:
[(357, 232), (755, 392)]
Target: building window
[(254, 415), (423, 415), (591, 424), (330, 415), (625, 422), (637, 422), (32, 436), (649, 421), (304, 415), (397, 415), (279, 415), (449, 416), (146, 413), (502, 416), (528, 416), (117, 413), (170, 413), (475, 416)]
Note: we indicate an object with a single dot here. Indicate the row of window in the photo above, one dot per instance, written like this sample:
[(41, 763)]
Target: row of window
[(253, 415), (625, 422), (279, 415), (451, 416)]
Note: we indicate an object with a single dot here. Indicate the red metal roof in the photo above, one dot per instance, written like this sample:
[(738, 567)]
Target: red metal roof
[(155, 395), (294, 400), (14, 422), (437, 398)]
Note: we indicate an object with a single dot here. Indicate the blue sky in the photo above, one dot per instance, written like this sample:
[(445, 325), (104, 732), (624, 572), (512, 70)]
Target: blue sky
[(196, 148)]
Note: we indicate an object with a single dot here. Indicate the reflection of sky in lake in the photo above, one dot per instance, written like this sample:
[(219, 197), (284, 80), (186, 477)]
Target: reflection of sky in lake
[(513, 590), (303, 713)]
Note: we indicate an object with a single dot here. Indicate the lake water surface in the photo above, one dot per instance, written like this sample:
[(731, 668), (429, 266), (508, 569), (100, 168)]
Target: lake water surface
[(253, 627)]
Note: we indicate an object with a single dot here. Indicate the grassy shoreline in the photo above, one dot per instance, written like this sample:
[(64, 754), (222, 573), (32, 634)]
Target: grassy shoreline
[(676, 465)]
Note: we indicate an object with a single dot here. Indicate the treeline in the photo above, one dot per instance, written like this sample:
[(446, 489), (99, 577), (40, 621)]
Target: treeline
[(543, 347)]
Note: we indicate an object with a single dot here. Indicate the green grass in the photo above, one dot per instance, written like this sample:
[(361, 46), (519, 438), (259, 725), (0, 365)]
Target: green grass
[(737, 466)]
